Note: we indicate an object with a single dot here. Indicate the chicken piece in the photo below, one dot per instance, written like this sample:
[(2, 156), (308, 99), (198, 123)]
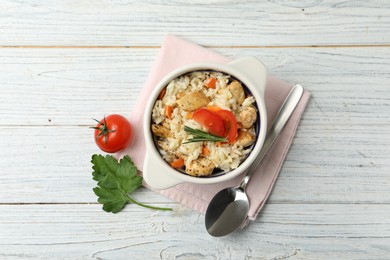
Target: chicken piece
[(237, 91), (179, 95), (200, 167), (245, 138), (193, 100), (160, 131), (247, 117)]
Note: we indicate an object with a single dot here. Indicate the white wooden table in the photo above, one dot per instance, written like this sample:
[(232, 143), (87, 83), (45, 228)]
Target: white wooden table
[(65, 62)]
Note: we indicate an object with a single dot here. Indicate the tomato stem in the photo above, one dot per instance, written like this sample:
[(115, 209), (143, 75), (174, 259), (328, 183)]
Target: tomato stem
[(103, 129)]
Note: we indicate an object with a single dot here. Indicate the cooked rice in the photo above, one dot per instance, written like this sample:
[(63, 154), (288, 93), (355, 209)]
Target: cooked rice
[(224, 156)]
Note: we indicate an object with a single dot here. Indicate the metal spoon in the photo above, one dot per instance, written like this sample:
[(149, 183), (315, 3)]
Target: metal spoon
[(229, 207)]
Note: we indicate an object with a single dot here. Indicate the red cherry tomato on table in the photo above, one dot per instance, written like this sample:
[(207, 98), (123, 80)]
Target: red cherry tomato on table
[(230, 124), (212, 122), (113, 133)]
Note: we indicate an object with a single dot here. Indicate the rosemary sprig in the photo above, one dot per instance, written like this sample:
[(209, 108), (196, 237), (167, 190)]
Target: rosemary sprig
[(201, 136)]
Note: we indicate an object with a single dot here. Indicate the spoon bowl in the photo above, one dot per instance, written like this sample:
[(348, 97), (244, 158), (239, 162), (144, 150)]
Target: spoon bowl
[(229, 208)]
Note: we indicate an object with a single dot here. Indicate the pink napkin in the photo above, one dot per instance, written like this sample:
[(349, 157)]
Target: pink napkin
[(176, 52)]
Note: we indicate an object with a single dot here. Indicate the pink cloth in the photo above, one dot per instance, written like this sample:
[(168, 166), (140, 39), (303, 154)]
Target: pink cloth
[(176, 52)]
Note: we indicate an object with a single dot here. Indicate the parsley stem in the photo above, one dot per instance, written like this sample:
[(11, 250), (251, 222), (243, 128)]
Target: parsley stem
[(130, 199)]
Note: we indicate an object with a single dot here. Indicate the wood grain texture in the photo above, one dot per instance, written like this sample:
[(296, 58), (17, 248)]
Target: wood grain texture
[(64, 62), (69, 86), (339, 154), (335, 165), (212, 23), (282, 231)]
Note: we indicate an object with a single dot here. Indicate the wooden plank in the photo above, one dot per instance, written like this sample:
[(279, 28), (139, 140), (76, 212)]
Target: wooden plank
[(49, 95), (329, 165), (331, 199), (46, 83), (69, 86), (216, 23), (303, 231)]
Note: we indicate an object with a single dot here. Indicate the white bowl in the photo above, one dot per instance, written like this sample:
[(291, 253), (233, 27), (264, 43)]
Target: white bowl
[(157, 173)]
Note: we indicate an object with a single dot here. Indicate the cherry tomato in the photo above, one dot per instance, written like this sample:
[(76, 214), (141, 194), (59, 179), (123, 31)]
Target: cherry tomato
[(113, 133), (230, 124), (212, 122)]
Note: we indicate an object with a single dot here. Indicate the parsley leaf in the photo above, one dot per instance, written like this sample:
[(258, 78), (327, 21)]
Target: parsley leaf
[(116, 180)]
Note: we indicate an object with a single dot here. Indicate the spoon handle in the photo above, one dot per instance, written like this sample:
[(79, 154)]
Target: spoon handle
[(281, 119)]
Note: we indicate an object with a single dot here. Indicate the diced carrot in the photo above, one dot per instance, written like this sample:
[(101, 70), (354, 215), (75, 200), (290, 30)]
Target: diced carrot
[(205, 151), (211, 83), (213, 108), (162, 93), (168, 111), (178, 163), (189, 115)]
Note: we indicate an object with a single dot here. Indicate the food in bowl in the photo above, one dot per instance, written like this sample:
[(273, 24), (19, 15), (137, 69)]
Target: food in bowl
[(204, 123)]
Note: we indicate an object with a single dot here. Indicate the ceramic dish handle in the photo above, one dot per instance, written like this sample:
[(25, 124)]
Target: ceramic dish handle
[(253, 69), (158, 176)]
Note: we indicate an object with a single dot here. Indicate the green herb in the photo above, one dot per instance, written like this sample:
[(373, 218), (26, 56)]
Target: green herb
[(116, 180), (201, 136)]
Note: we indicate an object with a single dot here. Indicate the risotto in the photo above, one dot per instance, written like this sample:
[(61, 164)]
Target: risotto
[(204, 123)]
